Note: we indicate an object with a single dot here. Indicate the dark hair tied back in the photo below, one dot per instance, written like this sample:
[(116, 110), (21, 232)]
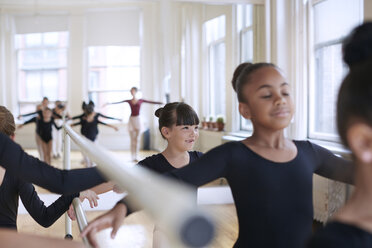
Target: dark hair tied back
[(158, 112), (357, 46), (242, 76)]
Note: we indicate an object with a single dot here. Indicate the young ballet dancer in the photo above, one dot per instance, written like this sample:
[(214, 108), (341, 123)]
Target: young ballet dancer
[(270, 175), (351, 226), (178, 124), (58, 113), (12, 187), (89, 125), (44, 122), (134, 123)]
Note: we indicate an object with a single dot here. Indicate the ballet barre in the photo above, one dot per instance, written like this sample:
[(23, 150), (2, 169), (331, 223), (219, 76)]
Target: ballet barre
[(171, 203)]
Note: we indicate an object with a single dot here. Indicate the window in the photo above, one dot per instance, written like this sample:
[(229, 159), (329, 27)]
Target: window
[(332, 21), (245, 30), (215, 34), (41, 68), (113, 71)]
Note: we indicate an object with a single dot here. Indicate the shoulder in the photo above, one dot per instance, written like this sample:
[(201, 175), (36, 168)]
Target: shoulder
[(195, 154), (151, 160)]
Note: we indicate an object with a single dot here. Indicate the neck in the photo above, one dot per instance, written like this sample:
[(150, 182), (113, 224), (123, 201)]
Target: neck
[(173, 152), (268, 138)]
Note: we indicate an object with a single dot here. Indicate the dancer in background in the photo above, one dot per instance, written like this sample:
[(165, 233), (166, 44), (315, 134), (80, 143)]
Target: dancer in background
[(44, 122), (58, 113), (43, 105), (134, 123), (89, 125)]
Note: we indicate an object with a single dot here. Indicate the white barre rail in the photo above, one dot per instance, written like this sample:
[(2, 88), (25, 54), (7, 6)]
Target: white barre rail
[(170, 203)]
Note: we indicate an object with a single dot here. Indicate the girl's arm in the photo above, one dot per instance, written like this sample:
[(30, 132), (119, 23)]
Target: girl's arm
[(39, 112), (75, 124), (108, 117), (43, 215), (54, 123), (147, 101), (332, 166), (30, 169), (77, 117), (112, 126), (108, 103), (28, 122)]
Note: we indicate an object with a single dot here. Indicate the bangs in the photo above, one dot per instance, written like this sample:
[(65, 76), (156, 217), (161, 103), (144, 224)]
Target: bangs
[(186, 116)]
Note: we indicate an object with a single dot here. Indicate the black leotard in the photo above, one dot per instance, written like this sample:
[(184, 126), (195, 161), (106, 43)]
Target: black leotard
[(12, 187), (30, 169), (90, 129), (340, 235), (43, 129), (160, 164), (273, 200)]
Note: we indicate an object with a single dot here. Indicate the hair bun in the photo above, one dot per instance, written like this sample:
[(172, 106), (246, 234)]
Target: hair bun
[(357, 47), (237, 72), (158, 112)]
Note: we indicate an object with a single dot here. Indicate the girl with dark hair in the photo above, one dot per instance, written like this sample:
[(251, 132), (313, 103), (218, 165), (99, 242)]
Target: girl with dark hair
[(351, 226), (89, 125), (270, 175), (134, 123), (12, 188), (178, 124)]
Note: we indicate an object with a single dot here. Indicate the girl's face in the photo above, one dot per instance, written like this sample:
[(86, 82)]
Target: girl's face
[(182, 137), (268, 99), (133, 92), (47, 114)]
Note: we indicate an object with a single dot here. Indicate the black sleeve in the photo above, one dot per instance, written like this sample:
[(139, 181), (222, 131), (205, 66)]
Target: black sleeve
[(43, 215), (30, 121), (77, 117), (30, 169), (332, 166), (33, 113), (100, 122), (107, 117), (212, 165), (54, 123), (75, 124)]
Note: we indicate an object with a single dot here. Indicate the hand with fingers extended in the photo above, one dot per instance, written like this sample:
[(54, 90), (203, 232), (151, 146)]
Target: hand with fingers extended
[(91, 196), (114, 218)]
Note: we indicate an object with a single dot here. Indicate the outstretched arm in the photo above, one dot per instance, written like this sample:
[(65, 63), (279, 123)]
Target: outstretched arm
[(112, 126), (108, 117), (152, 102), (30, 169), (332, 166)]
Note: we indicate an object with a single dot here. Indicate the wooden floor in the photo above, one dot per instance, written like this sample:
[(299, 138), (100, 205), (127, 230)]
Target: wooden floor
[(137, 228)]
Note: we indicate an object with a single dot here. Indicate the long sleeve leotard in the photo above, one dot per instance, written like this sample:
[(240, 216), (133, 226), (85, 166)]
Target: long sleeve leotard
[(12, 187), (273, 200), (43, 129), (30, 169)]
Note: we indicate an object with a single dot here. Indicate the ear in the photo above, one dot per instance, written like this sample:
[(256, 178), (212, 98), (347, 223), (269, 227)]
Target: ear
[(359, 138), (165, 131), (12, 136), (245, 110)]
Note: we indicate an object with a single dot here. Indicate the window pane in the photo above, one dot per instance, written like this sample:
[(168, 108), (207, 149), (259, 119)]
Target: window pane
[(244, 16), (329, 74), (215, 29), (114, 56), (247, 46), (334, 19), (33, 86), (217, 79), (114, 78), (42, 62)]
